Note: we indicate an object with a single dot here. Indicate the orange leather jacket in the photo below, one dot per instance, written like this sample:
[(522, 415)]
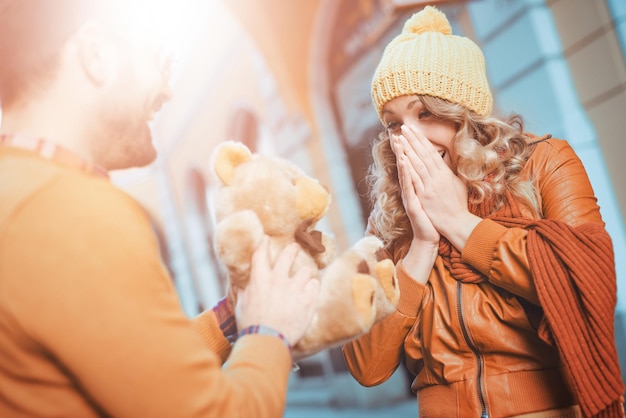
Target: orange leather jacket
[(473, 348)]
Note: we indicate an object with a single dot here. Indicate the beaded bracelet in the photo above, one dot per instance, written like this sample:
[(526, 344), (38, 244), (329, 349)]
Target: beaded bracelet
[(260, 329)]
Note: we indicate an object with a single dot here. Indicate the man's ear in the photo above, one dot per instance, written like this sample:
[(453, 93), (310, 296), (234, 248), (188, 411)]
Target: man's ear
[(97, 53)]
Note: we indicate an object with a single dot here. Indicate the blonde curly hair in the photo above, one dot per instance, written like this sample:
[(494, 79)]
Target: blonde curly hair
[(492, 153)]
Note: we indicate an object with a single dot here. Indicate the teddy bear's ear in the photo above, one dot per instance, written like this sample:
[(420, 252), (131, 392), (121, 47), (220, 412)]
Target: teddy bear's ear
[(227, 156)]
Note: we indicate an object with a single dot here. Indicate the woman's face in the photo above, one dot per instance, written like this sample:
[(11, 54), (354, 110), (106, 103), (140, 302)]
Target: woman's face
[(409, 110)]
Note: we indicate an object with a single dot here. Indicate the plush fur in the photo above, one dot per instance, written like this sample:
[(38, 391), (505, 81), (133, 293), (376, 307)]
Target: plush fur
[(268, 195)]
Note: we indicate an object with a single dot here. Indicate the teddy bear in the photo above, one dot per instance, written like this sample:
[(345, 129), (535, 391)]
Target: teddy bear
[(265, 195)]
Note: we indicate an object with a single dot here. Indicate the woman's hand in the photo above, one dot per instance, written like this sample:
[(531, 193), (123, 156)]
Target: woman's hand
[(423, 229), (442, 195), (420, 258)]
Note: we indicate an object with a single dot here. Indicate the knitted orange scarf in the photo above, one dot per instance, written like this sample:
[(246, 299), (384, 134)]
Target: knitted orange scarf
[(574, 272)]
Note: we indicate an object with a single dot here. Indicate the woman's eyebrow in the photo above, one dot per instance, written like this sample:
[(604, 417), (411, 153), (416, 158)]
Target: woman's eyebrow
[(408, 106), (412, 103)]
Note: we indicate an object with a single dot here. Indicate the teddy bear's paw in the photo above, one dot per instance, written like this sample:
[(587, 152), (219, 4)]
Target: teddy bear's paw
[(380, 265), (364, 295), (370, 246), (386, 273), (236, 238)]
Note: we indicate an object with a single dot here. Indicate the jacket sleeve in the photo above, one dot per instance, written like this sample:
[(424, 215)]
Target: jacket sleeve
[(214, 325), (373, 357), (108, 314), (565, 194)]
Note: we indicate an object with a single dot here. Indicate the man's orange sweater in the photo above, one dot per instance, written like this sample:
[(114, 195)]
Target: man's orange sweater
[(90, 324)]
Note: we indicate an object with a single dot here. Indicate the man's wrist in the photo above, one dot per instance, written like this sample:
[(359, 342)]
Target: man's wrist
[(262, 330)]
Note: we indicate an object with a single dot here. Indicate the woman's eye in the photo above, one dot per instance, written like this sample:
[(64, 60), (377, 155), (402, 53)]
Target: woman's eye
[(394, 127), (424, 114)]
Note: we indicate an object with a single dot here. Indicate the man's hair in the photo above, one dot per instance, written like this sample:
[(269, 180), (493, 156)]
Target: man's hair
[(32, 33)]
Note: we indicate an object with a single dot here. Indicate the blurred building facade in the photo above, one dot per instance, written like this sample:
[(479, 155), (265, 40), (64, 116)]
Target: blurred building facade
[(293, 79)]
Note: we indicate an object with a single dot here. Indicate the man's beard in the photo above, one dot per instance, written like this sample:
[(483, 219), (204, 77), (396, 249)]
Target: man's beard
[(123, 139)]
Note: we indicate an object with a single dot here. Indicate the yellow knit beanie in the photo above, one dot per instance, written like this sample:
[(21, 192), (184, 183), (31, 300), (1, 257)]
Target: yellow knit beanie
[(426, 59)]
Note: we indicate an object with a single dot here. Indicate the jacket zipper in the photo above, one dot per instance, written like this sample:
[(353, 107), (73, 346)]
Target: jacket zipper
[(479, 357)]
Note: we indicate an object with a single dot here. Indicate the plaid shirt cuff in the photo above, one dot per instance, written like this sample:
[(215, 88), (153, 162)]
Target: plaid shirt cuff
[(225, 315)]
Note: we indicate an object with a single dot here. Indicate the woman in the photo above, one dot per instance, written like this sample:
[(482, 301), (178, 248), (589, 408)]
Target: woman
[(506, 271)]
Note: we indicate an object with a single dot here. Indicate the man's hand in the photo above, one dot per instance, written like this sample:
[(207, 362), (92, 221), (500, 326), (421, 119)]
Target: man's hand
[(273, 298)]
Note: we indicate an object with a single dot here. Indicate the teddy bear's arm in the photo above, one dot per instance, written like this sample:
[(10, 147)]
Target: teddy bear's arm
[(236, 238)]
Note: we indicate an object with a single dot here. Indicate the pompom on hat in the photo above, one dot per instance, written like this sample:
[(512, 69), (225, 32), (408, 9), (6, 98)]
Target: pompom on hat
[(427, 59)]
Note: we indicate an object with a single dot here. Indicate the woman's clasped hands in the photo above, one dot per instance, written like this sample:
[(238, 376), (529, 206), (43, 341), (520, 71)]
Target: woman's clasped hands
[(434, 197)]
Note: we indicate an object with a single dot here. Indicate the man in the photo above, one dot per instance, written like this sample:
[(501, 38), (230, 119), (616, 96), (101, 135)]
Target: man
[(90, 324)]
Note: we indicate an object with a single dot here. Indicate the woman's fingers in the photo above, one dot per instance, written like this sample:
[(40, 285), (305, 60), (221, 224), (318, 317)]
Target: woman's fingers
[(417, 159), (420, 145), (407, 172), (411, 187)]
